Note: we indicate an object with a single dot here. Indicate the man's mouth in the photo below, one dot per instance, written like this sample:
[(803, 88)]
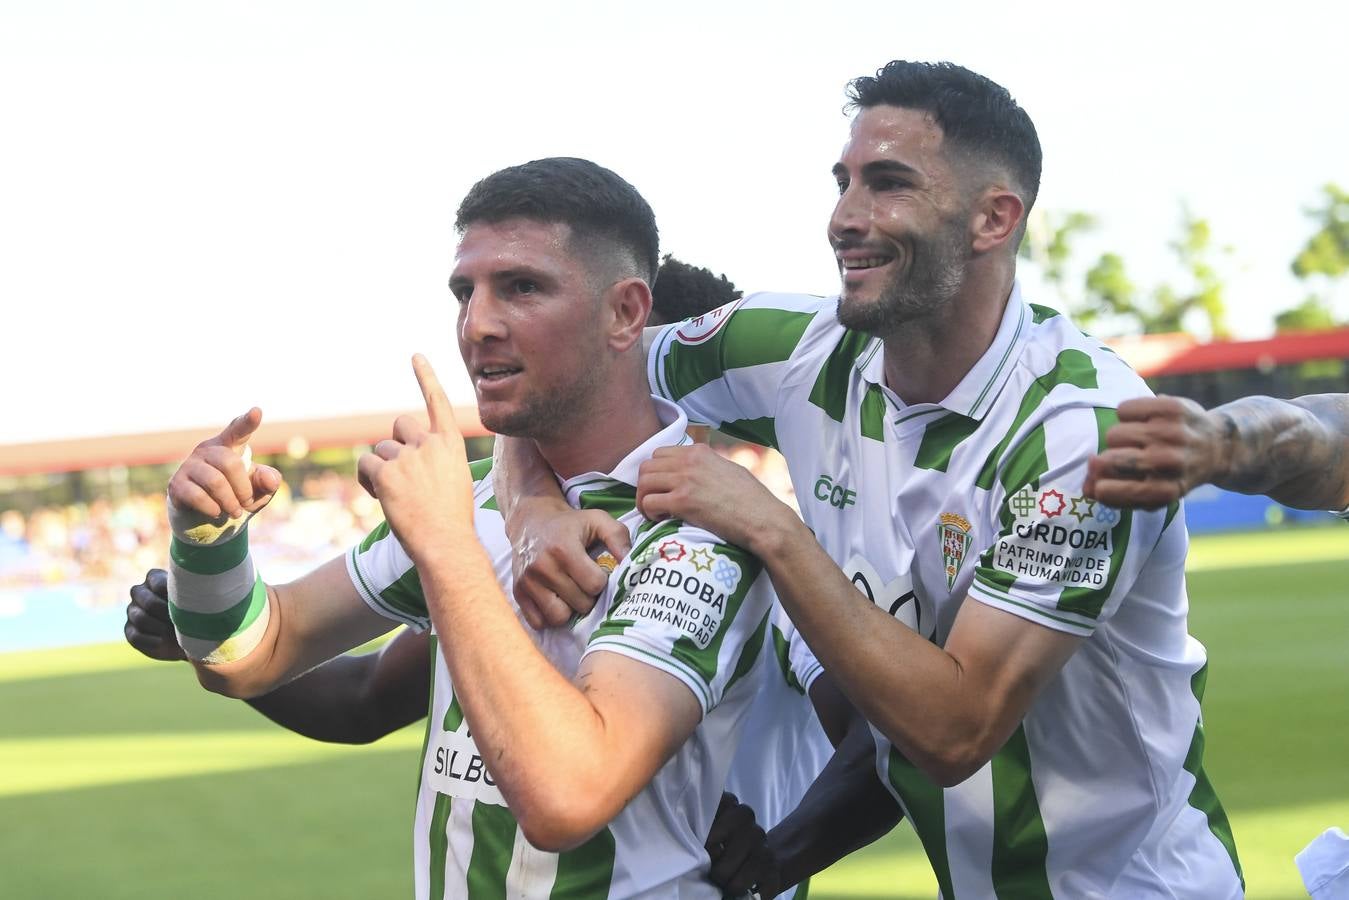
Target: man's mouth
[(492, 374), (864, 262)]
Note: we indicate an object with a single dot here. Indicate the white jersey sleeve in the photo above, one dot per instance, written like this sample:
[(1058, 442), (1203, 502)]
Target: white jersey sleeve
[(690, 605), (383, 572), (799, 666), (727, 367), (1060, 558)]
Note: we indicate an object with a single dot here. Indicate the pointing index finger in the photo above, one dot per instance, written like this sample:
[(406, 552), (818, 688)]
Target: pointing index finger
[(437, 404)]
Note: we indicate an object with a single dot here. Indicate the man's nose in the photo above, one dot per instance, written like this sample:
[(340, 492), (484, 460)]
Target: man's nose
[(852, 214), (480, 318)]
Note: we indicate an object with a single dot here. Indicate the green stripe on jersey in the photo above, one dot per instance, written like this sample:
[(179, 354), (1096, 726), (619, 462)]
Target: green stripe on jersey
[(1071, 367), (454, 713), (872, 418), (1039, 313), (1202, 795), (221, 625), (1088, 601), (617, 499), (479, 468), (830, 392), (493, 846), (1020, 846), (782, 649), (750, 337), (377, 534), (925, 804), (440, 845), (210, 560), (941, 439), (587, 871), (762, 431), (405, 595), (749, 653)]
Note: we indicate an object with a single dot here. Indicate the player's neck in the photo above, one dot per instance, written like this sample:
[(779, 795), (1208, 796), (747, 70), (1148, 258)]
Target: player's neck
[(620, 420), (926, 359)]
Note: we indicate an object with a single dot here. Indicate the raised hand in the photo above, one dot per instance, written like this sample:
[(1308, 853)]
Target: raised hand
[(421, 478), (697, 485), (216, 488), (148, 627), (1160, 450)]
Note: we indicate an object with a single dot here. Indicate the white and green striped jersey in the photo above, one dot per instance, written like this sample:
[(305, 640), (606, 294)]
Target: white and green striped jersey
[(682, 601), (1100, 791), (783, 747)]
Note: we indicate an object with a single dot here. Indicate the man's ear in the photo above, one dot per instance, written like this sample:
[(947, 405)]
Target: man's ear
[(997, 216), (629, 303)]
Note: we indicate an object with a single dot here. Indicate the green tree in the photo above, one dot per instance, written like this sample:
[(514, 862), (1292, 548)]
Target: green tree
[(1312, 314), (1322, 262), (1111, 293), (1326, 252)]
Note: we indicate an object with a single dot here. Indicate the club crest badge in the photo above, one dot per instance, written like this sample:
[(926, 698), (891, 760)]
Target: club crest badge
[(955, 542)]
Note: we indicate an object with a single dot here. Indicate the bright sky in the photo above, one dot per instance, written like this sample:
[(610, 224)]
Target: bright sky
[(209, 206)]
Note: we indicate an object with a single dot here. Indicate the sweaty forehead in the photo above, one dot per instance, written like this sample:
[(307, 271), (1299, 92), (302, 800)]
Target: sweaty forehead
[(512, 243), (909, 136)]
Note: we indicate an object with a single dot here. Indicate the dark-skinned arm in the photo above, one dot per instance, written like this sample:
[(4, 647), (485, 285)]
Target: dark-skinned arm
[(347, 700), (845, 809), (356, 699)]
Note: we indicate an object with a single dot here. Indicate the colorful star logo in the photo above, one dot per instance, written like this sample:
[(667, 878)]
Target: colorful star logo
[(701, 559), (1083, 509), (1052, 503), (672, 551)]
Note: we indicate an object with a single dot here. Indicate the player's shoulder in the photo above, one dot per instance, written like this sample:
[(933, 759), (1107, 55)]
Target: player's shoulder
[(1070, 368), (755, 320), (697, 556)]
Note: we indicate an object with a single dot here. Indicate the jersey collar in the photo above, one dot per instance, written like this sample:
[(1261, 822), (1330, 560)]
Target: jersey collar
[(673, 433), (974, 395)]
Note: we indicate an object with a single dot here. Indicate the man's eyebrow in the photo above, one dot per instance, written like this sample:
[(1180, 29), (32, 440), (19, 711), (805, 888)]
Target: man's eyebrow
[(878, 167), (889, 167)]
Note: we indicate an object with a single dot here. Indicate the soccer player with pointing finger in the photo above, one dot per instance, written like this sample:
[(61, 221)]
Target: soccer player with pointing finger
[(580, 762)]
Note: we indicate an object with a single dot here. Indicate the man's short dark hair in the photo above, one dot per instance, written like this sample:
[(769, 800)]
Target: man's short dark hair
[(976, 115), (599, 206), (683, 291)]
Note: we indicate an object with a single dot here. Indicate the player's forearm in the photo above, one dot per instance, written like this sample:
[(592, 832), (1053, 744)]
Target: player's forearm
[(917, 694), (520, 476), (844, 810), (1296, 451), (524, 715), (328, 704)]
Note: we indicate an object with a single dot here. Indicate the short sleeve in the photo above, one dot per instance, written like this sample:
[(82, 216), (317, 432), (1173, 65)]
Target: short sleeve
[(1059, 558), (796, 661), (384, 574), (689, 605), (386, 579), (726, 368)]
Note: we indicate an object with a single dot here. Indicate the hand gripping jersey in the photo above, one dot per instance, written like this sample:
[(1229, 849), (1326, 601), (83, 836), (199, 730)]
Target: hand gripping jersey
[(783, 747), (682, 601), (1100, 792)]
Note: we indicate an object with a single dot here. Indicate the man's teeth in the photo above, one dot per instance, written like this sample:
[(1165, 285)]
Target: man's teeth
[(495, 371), (868, 263)]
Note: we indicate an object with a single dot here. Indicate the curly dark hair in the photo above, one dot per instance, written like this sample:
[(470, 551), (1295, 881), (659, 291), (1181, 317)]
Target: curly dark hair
[(683, 291)]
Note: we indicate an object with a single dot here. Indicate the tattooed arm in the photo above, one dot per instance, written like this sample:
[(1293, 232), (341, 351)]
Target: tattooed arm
[(1295, 451)]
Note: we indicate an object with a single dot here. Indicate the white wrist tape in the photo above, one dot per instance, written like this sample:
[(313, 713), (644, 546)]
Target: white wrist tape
[(217, 601)]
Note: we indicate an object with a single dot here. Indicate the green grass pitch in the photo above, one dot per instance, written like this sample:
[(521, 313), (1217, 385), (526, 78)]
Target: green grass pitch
[(106, 760)]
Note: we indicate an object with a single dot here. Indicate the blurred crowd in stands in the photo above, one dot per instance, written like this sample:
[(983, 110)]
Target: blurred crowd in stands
[(108, 544)]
